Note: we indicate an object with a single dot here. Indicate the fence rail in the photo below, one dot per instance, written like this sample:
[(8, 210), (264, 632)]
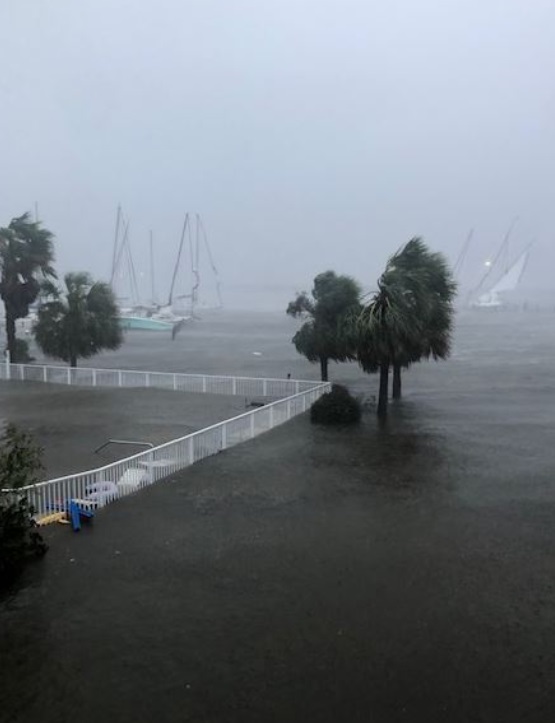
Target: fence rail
[(100, 486), (132, 378)]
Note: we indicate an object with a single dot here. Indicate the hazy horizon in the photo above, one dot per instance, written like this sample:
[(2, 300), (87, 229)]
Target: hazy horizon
[(309, 136)]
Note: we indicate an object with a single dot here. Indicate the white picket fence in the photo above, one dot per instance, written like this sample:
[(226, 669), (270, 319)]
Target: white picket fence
[(100, 486), (128, 378)]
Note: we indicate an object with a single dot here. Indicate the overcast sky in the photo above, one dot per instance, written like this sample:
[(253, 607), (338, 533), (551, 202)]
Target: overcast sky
[(310, 134)]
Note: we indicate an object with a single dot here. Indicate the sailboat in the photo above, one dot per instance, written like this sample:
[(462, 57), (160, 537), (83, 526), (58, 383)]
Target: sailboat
[(137, 316), (494, 298), (189, 303)]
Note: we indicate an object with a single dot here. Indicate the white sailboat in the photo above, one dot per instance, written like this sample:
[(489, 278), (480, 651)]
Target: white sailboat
[(494, 298)]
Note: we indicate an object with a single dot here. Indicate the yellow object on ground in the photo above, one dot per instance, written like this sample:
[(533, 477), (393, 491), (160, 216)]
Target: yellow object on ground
[(54, 517)]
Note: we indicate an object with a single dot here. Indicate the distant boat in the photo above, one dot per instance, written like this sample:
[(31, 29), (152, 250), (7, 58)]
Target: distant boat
[(509, 281), (189, 303), (143, 323), (137, 316), (144, 318)]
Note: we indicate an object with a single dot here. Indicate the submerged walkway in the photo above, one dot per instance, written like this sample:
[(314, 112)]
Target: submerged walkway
[(71, 422), (307, 575)]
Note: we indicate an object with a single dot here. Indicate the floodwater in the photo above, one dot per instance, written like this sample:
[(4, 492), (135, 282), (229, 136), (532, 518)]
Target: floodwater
[(73, 425), (397, 573)]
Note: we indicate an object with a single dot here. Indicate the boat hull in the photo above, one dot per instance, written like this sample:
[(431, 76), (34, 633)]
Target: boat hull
[(144, 323)]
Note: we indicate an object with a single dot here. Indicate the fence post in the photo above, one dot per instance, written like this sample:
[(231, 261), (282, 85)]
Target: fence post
[(119, 378), (174, 383), (21, 372), (69, 376), (191, 450), (304, 403), (234, 386), (8, 368), (94, 377), (271, 417), (151, 469), (147, 379), (44, 375), (252, 424), (288, 409), (265, 388), (224, 436), (204, 384), (297, 389)]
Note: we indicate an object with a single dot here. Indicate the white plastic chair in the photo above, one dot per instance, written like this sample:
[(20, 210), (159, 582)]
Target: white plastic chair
[(101, 492), (131, 480)]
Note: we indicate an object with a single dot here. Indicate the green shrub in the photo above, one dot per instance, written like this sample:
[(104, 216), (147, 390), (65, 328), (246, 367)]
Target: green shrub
[(20, 540), (22, 353), (336, 407), (20, 465)]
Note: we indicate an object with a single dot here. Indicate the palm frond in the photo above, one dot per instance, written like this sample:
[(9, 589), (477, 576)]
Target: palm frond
[(410, 316)]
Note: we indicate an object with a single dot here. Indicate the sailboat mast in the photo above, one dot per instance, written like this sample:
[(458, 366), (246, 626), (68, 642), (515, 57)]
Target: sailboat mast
[(121, 249), (196, 269), (152, 284), (460, 260), (507, 256), (115, 249), (193, 250), (133, 285), (211, 260), (176, 267), (493, 264)]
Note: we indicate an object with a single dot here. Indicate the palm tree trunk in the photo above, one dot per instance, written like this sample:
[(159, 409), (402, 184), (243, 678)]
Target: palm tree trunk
[(10, 335), (384, 389), (324, 368), (396, 391)]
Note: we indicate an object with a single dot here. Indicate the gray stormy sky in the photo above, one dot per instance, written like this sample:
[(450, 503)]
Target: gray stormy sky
[(310, 134)]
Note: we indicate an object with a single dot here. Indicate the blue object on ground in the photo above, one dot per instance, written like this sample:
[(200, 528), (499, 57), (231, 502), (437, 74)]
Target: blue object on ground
[(74, 516), (74, 510)]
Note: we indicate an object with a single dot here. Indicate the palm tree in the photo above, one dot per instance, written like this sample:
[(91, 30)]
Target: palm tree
[(428, 276), (386, 331), (323, 336), (79, 322), (26, 255), (408, 319)]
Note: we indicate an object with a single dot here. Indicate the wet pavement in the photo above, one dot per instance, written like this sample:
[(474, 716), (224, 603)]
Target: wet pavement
[(70, 423), (398, 573)]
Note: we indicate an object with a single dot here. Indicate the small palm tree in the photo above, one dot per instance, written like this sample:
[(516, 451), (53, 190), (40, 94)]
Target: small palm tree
[(26, 256), (79, 322), (323, 336)]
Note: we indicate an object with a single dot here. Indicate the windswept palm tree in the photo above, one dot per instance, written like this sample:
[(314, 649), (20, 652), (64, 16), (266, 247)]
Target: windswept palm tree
[(323, 336), (26, 256), (386, 331), (79, 322), (409, 318), (429, 277)]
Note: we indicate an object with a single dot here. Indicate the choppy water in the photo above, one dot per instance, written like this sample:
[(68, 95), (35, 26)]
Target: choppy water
[(397, 573), (258, 344)]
